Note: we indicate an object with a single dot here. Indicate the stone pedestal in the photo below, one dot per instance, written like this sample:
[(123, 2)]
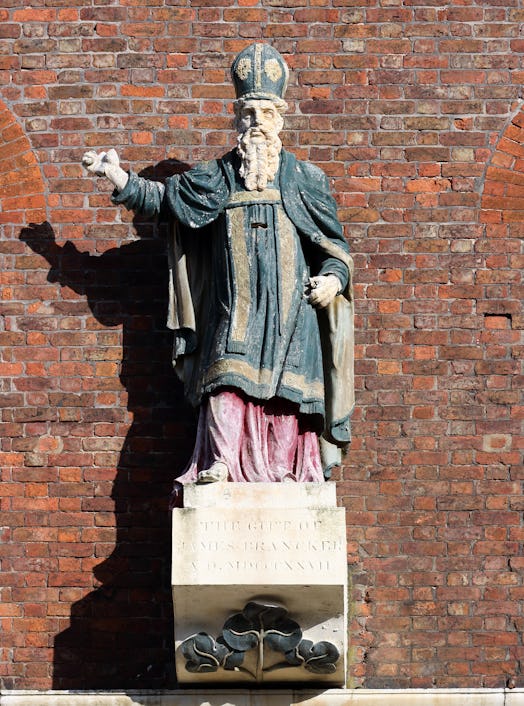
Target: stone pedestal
[(259, 577)]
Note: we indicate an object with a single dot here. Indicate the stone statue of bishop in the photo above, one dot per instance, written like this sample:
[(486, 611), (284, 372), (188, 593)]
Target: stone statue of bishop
[(260, 296)]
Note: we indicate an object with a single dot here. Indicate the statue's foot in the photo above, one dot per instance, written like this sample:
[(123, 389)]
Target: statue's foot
[(217, 473)]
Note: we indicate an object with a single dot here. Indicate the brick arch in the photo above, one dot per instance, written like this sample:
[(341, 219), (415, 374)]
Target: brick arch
[(503, 195), (22, 191)]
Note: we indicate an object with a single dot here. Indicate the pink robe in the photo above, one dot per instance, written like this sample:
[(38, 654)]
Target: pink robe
[(259, 441)]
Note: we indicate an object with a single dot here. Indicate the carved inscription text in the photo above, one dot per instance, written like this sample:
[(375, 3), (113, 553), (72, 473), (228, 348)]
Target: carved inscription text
[(297, 547)]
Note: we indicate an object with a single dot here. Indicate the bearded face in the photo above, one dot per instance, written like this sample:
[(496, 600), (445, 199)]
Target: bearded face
[(258, 124)]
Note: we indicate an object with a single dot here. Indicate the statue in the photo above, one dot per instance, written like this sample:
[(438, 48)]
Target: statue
[(260, 296)]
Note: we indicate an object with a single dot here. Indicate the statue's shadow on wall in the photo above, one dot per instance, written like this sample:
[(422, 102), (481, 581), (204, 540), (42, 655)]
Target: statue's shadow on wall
[(121, 634)]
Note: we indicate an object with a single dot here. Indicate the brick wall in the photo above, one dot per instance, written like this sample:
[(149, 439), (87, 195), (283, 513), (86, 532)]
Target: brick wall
[(413, 108)]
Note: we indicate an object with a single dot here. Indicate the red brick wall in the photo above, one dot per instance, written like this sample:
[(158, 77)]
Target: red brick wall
[(414, 110)]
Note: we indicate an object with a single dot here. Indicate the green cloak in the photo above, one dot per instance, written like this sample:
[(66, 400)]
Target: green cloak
[(214, 336)]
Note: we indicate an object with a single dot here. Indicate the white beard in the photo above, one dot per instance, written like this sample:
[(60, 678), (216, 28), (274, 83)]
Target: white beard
[(259, 156)]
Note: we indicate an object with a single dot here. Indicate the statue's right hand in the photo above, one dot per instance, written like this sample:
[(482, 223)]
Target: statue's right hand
[(98, 163)]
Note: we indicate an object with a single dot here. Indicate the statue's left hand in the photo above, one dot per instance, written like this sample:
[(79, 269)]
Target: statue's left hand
[(323, 289)]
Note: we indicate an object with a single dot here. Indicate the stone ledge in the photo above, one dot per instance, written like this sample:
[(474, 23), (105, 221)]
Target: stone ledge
[(226, 697), (260, 495)]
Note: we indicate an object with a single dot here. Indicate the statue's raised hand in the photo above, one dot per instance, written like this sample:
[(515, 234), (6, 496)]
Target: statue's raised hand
[(97, 163), (106, 164)]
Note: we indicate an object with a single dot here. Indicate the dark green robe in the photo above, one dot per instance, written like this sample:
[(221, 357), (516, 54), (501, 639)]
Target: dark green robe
[(241, 261)]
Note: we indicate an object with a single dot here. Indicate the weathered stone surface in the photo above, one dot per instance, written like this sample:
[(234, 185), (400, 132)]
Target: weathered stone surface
[(287, 555), (271, 495)]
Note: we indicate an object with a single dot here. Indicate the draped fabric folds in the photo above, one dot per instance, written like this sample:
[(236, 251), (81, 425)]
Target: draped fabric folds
[(249, 326)]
